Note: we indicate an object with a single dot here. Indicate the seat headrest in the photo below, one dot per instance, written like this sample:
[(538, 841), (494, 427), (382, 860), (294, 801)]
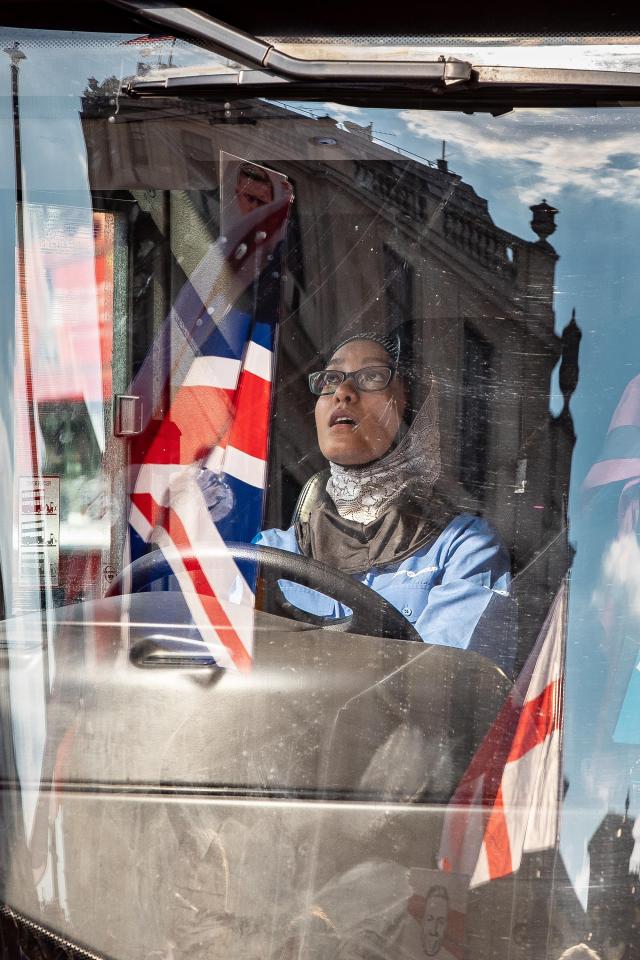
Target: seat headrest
[(310, 496)]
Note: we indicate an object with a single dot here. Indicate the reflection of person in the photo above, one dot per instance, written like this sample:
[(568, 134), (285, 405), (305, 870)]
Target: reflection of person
[(380, 517), (434, 923), (253, 188)]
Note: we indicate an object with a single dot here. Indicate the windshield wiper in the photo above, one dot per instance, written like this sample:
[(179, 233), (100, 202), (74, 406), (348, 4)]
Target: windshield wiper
[(257, 53), (442, 83)]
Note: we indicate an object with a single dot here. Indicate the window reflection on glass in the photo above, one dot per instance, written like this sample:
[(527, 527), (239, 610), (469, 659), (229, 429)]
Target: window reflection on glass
[(67, 303)]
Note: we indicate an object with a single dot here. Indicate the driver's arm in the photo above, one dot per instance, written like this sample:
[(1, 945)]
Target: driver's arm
[(468, 605), (455, 592)]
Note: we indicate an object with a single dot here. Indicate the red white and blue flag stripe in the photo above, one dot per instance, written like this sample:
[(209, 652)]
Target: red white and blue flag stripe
[(215, 354)]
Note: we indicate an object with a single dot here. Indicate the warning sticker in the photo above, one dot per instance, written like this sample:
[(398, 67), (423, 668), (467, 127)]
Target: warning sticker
[(39, 530)]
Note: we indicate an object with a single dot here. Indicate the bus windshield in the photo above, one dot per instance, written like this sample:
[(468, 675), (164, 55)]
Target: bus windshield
[(319, 551)]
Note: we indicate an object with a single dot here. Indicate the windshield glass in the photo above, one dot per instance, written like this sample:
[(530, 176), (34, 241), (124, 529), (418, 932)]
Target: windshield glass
[(319, 549)]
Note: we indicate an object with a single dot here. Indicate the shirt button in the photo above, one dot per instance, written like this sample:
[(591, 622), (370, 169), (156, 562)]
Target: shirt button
[(407, 611)]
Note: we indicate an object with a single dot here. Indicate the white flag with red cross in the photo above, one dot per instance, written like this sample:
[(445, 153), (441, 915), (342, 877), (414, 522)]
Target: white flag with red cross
[(508, 801)]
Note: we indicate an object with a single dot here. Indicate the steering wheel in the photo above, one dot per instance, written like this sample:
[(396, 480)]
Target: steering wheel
[(371, 614)]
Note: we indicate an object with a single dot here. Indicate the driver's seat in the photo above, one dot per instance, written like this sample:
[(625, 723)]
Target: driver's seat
[(310, 496)]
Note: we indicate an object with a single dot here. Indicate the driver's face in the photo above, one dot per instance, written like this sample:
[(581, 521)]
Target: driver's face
[(434, 925), (370, 421)]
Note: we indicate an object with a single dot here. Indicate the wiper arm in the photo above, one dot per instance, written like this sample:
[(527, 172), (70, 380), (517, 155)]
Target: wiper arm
[(465, 76), (442, 83), (244, 48)]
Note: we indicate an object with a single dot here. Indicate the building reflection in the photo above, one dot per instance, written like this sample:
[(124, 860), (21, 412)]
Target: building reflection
[(377, 238)]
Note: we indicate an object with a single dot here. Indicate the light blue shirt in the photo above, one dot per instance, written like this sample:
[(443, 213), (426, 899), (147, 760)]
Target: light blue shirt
[(455, 591)]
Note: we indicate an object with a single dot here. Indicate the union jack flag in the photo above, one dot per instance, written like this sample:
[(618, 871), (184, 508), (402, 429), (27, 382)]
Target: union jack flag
[(199, 469)]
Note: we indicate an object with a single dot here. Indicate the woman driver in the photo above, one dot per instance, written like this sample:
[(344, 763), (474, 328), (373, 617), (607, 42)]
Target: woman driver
[(380, 519)]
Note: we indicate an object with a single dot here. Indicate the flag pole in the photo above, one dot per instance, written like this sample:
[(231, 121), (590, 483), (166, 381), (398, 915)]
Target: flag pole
[(17, 56)]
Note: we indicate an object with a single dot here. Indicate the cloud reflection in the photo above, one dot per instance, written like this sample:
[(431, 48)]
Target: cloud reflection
[(546, 151), (342, 111), (621, 570)]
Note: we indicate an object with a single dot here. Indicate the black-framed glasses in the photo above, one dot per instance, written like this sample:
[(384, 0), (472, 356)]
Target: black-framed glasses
[(323, 383)]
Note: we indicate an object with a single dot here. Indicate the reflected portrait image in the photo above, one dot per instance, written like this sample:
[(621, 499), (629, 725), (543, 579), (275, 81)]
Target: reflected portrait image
[(434, 923), (254, 188)]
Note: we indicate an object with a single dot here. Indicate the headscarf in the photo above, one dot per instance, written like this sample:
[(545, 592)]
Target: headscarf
[(379, 513)]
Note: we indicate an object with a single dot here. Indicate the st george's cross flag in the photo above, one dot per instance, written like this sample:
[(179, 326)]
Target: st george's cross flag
[(199, 469), (508, 801)]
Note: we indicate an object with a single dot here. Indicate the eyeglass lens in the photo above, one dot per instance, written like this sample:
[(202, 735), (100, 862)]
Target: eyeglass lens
[(367, 379)]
